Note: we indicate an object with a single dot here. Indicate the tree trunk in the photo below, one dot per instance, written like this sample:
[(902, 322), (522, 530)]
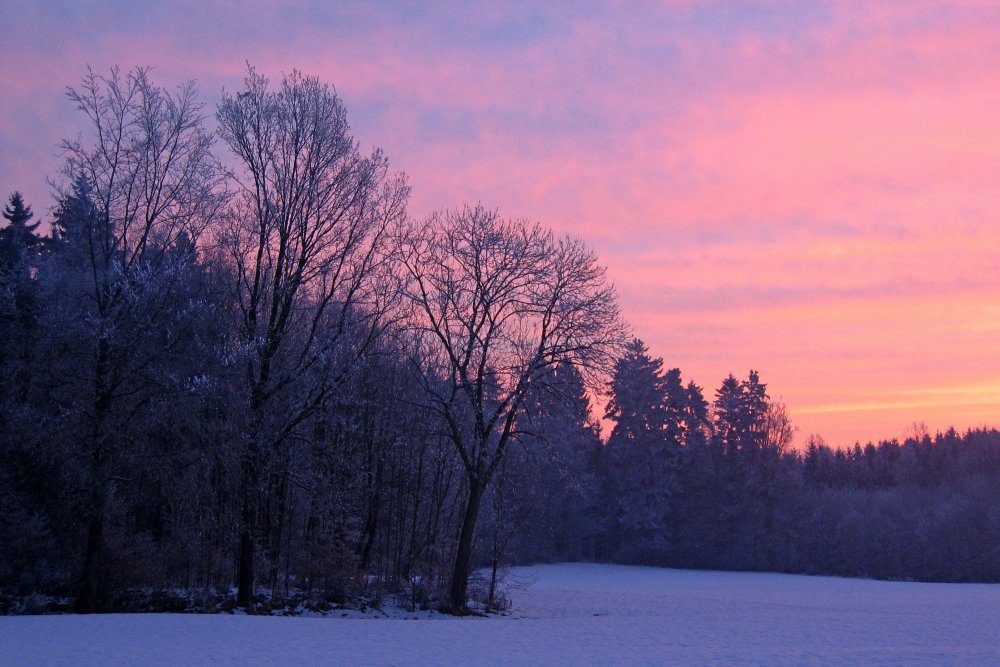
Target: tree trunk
[(248, 522), (369, 529), (491, 600), (91, 588), (458, 595), (276, 532), (244, 592), (252, 468)]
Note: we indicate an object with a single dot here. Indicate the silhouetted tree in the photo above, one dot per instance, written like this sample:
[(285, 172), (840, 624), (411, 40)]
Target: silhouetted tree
[(550, 485), (19, 249), (306, 239), (499, 305), (18, 238), (648, 408), (149, 176)]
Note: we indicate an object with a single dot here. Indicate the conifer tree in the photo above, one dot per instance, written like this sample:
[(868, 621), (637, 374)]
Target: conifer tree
[(18, 246), (556, 482), (638, 402), (647, 406), (74, 222), (18, 237), (740, 413)]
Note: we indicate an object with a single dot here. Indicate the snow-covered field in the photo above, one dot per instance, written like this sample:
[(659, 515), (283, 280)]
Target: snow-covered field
[(569, 614)]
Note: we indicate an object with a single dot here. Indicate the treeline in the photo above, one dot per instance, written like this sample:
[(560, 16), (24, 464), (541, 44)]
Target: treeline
[(253, 371), (687, 483), (255, 380)]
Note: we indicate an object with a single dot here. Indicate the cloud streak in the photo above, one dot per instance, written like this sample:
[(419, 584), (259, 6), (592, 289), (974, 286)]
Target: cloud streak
[(810, 189)]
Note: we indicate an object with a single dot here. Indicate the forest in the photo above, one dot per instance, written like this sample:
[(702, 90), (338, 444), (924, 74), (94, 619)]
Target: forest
[(235, 373)]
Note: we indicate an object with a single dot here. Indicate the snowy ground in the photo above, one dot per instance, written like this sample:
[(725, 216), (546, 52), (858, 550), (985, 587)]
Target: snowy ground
[(569, 614)]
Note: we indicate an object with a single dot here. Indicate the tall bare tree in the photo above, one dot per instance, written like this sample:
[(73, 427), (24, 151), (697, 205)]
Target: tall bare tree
[(306, 236), (152, 178), (500, 304)]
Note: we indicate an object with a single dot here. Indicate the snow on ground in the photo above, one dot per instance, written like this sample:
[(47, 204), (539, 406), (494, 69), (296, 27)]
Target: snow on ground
[(569, 614)]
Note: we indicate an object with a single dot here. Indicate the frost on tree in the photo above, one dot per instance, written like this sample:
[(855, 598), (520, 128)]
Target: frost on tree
[(306, 234), (497, 305)]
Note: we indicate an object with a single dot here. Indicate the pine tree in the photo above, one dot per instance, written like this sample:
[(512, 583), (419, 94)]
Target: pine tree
[(556, 485), (638, 403), (18, 253), (727, 414), (18, 238), (74, 222), (647, 406), (697, 425), (753, 413), (741, 413)]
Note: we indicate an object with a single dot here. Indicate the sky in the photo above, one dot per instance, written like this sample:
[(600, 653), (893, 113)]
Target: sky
[(808, 189)]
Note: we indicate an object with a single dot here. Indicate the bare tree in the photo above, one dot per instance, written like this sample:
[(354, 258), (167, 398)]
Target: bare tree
[(151, 178), (778, 428), (306, 238), (499, 304)]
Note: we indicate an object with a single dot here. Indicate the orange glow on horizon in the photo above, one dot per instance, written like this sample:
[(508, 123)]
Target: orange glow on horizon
[(811, 190)]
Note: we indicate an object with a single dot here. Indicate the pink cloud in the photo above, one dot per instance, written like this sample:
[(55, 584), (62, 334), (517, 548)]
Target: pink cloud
[(810, 190)]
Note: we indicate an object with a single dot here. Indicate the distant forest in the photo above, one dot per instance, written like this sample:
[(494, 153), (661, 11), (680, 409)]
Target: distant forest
[(235, 374)]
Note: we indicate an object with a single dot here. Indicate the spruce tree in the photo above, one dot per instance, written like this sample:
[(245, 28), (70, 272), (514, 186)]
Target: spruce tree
[(74, 222), (556, 482), (18, 238), (18, 250), (638, 403), (647, 406)]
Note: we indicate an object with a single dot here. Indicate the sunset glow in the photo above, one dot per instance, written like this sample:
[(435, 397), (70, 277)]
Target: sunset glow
[(809, 189)]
